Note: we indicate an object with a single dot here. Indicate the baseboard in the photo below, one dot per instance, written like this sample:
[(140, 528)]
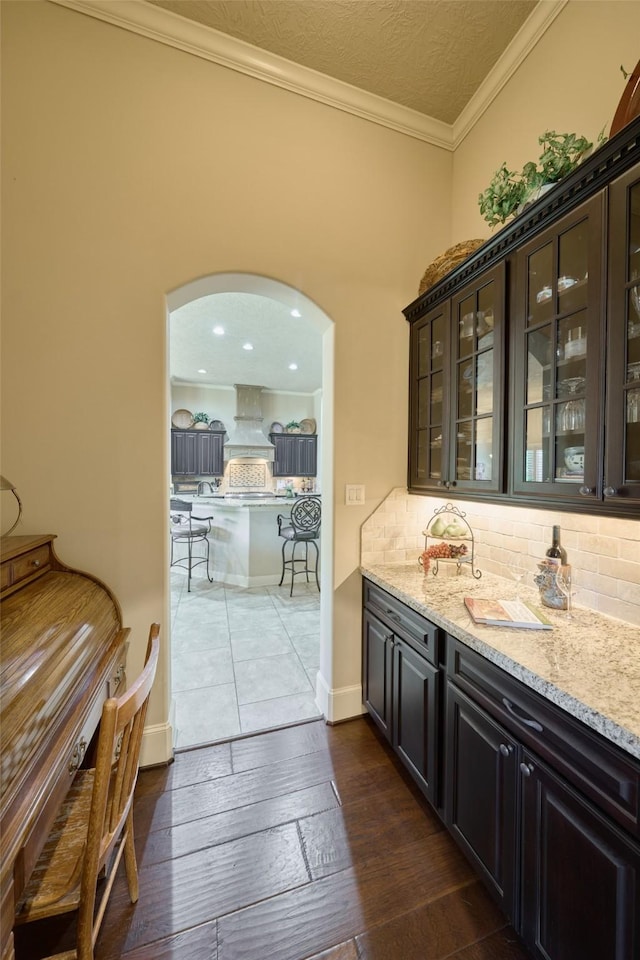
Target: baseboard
[(339, 704), (157, 745)]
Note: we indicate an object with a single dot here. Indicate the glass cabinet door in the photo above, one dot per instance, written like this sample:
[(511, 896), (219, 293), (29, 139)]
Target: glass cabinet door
[(557, 361), (477, 382), (429, 407), (622, 454)]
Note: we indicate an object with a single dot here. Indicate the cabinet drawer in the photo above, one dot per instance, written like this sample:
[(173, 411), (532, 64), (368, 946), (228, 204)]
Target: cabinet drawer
[(404, 621), (596, 767), (34, 562)]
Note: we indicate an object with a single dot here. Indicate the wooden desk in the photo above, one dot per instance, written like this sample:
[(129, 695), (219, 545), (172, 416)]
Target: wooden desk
[(62, 653)]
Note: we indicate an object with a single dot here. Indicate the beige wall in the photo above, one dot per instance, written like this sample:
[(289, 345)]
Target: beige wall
[(570, 82), (131, 169)]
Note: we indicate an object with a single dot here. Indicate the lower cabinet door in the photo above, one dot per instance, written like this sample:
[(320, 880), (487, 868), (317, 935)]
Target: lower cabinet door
[(481, 794), (415, 716), (376, 671), (581, 875)]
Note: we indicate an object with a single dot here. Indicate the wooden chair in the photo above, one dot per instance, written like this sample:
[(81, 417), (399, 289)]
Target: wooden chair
[(94, 827)]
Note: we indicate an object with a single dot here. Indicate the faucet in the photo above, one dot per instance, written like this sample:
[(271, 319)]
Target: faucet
[(201, 484)]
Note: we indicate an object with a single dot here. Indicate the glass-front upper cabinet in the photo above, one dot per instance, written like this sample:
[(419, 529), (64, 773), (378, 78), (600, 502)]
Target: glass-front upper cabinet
[(477, 385), (429, 399), (557, 361), (622, 452), (457, 382)]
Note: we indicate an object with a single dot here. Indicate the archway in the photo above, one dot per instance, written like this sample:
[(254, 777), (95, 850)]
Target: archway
[(242, 283)]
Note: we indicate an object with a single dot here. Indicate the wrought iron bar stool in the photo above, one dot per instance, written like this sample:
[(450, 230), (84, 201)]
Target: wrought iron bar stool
[(302, 527), (185, 528)]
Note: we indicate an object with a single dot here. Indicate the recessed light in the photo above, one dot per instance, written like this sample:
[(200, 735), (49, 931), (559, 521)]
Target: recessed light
[(293, 366), (219, 331), (296, 313), (247, 346), (202, 371)]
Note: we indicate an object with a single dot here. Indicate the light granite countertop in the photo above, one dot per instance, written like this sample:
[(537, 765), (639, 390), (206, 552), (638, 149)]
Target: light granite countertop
[(589, 664)]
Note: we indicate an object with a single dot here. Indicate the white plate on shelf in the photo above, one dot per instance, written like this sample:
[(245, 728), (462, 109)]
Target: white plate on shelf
[(308, 425), (276, 427), (216, 425)]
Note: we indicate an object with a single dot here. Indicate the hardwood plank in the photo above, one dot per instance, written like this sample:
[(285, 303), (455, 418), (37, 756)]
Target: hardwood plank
[(503, 945), (192, 766), (260, 751), (313, 918), (435, 930), (344, 951), (227, 793), (202, 886), (377, 824), (184, 838), (199, 943)]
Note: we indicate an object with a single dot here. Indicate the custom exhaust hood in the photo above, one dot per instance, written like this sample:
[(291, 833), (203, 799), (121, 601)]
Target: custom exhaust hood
[(247, 438)]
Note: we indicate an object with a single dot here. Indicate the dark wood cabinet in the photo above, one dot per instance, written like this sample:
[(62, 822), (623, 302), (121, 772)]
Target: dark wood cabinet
[(197, 453), (296, 454), (557, 292), (546, 834), (480, 804), (401, 683), (580, 874), (456, 407)]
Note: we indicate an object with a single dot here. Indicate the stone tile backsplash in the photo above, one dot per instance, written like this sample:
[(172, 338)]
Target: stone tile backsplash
[(604, 552)]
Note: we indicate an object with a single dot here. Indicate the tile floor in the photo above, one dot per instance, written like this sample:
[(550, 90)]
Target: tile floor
[(243, 659)]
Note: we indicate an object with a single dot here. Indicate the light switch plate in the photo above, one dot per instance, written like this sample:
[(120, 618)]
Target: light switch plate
[(354, 494)]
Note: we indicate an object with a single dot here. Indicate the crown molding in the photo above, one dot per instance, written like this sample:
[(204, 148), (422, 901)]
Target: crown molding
[(201, 41), (518, 50)]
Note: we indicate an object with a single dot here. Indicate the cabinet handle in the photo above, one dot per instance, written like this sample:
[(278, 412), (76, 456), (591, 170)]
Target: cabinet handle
[(394, 616), (587, 491), (610, 492), (78, 755), (528, 723), (35, 563), (526, 769), (506, 749)]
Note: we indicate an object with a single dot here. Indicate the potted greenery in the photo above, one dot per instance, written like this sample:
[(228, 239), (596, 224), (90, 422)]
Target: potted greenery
[(508, 190), (293, 427), (200, 421)]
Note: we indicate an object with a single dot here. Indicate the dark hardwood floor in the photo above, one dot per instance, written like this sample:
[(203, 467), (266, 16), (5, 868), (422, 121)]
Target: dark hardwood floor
[(307, 842)]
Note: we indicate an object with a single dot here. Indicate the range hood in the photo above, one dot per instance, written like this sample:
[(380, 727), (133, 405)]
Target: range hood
[(247, 438)]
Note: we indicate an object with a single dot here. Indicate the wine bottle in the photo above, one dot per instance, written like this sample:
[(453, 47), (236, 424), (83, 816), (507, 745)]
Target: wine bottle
[(556, 551)]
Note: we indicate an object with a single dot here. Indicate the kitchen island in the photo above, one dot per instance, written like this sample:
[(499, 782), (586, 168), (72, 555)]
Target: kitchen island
[(246, 550)]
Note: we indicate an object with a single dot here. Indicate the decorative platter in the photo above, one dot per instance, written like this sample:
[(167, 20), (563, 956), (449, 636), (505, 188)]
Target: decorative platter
[(216, 425), (182, 419), (308, 425), (276, 427)]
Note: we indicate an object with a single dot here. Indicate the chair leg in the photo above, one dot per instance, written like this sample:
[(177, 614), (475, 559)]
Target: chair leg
[(317, 561), (130, 864), (284, 543)]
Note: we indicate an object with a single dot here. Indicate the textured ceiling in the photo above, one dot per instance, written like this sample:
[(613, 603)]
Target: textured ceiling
[(429, 55), (278, 339)]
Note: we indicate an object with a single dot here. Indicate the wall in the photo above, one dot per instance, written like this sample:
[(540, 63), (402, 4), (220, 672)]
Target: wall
[(604, 552), (129, 170), (220, 404), (570, 82)]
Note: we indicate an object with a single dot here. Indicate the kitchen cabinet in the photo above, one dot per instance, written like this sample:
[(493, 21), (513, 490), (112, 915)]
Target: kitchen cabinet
[(401, 683), (457, 375), (546, 810), (296, 454), (558, 373), (197, 453)]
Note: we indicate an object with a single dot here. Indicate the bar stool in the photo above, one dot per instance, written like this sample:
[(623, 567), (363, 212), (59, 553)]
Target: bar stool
[(184, 530), (303, 526)]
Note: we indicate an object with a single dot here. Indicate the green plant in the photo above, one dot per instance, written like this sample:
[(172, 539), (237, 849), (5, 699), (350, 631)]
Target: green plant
[(201, 417), (562, 152), (293, 425)]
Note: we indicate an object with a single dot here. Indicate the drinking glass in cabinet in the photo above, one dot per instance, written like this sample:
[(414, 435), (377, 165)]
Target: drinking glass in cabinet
[(633, 406)]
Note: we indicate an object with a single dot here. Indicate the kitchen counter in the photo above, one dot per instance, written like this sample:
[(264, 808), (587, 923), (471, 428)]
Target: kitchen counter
[(588, 665), (220, 500)]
